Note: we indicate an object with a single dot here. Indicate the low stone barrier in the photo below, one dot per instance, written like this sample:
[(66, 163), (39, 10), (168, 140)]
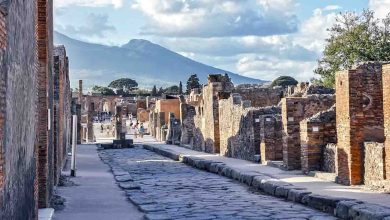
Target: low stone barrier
[(343, 208)]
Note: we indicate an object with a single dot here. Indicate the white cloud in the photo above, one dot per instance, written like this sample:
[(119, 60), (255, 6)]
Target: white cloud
[(269, 69), (313, 31), (332, 8), (217, 18), (94, 25), (88, 3), (380, 7)]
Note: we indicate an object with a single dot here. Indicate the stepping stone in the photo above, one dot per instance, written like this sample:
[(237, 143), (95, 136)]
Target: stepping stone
[(155, 216), (140, 200), (151, 208), (124, 178), (118, 172), (129, 186)]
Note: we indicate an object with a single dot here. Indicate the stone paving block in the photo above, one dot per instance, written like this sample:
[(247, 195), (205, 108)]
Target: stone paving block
[(226, 171), (156, 216), (296, 195), (151, 208), (140, 200), (343, 207), (119, 172), (283, 191), (368, 212), (129, 186), (123, 178), (269, 185), (324, 203)]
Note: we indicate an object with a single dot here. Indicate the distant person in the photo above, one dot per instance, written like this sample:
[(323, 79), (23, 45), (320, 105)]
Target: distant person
[(141, 131), (101, 128)]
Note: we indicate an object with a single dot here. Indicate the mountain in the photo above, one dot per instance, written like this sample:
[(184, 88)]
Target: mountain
[(149, 64)]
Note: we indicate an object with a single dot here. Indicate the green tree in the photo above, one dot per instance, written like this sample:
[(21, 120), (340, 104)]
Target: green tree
[(124, 83), (103, 90), (354, 38), (192, 83), (154, 91), (284, 81), (160, 91), (180, 88), (172, 90)]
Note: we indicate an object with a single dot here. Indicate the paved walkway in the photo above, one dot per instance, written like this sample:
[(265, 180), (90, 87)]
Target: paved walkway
[(96, 195), (167, 189), (314, 185)]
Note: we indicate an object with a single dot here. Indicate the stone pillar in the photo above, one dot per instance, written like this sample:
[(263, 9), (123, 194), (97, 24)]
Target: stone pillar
[(80, 92), (118, 122), (90, 134), (386, 112), (359, 110), (292, 114), (79, 127)]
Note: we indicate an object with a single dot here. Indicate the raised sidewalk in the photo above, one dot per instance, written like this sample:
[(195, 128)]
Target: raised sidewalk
[(342, 201)]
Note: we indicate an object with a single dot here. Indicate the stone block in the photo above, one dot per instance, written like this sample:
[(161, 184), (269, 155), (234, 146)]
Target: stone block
[(296, 195), (323, 203)]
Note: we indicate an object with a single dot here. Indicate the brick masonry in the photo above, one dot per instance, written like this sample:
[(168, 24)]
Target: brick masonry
[(294, 110), (244, 129), (18, 98), (316, 132), (386, 112), (359, 106), (45, 101)]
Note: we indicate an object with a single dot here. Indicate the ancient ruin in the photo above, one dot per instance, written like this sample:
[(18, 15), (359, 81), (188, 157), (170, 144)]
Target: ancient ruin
[(304, 128)]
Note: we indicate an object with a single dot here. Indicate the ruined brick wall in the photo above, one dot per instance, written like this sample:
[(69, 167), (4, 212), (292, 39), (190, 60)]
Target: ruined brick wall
[(143, 115), (386, 116), (18, 98), (244, 128), (359, 105), (61, 109), (271, 135), (187, 113), (45, 101), (167, 106), (294, 110), (260, 96), (316, 132)]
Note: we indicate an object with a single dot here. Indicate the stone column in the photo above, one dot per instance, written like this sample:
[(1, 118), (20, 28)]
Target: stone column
[(118, 122), (90, 134), (81, 92)]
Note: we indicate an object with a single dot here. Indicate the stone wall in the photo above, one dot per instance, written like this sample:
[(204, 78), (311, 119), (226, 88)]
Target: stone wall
[(316, 132), (329, 163), (359, 105), (260, 96), (18, 89), (294, 110), (374, 169), (187, 114), (243, 129)]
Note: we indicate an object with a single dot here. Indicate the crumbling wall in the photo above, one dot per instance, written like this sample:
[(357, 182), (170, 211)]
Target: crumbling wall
[(174, 130), (294, 110), (244, 129), (329, 163), (187, 114), (260, 96), (18, 98), (316, 132), (359, 106)]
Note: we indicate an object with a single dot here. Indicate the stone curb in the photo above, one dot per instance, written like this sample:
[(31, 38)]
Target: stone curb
[(343, 208)]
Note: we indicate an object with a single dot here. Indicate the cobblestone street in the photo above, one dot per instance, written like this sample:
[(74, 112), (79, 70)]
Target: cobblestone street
[(166, 189)]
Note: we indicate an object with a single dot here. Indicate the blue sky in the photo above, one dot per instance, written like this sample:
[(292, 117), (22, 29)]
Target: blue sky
[(257, 38)]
